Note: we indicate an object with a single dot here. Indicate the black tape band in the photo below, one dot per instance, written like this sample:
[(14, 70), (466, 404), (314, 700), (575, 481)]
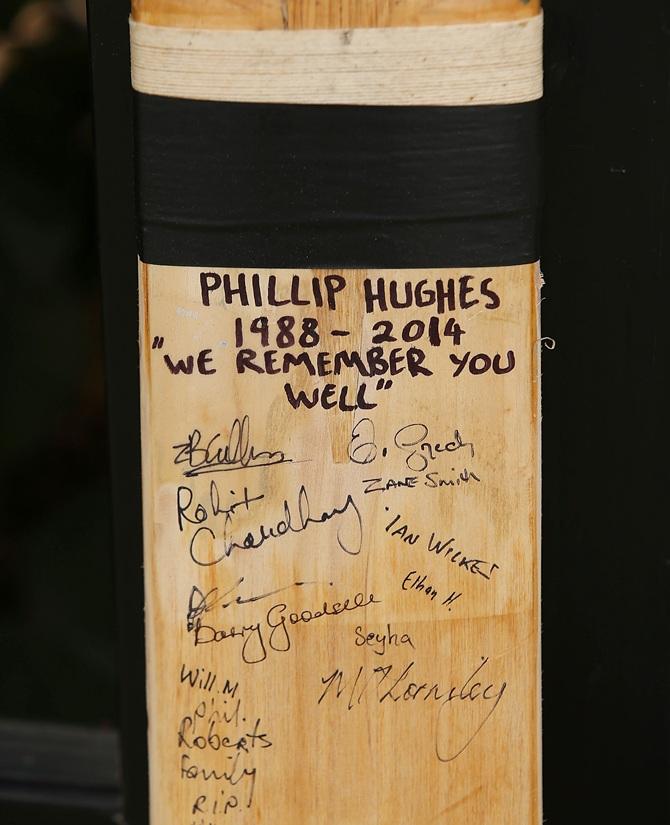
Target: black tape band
[(336, 186)]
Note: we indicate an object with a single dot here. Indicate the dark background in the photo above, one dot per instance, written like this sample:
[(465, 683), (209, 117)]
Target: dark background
[(56, 610), (606, 255), (68, 657)]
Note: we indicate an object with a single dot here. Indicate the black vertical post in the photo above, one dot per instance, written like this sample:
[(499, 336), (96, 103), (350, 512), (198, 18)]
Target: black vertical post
[(605, 251), (112, 107)]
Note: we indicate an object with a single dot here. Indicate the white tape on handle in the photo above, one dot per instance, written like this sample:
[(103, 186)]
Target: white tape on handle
[(459, 65)]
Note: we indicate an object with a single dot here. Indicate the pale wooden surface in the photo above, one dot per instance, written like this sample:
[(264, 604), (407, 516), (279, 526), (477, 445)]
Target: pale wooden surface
[(352, 759), (349, 760), (324, 14)]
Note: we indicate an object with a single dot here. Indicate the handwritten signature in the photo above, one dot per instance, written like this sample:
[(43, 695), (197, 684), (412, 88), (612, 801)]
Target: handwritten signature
[(199, 602), (396, 688), (219, 455), (411, 439), (295, 517), (272, 632)]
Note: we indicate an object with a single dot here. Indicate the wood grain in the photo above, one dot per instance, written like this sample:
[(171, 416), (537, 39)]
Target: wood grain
[(457, 740), (325, 14), (343, 750)]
